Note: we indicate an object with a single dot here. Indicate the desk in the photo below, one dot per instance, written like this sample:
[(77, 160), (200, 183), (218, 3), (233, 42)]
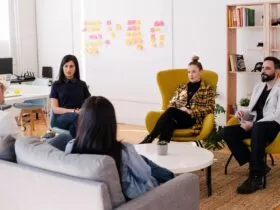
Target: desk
[(28, 92)]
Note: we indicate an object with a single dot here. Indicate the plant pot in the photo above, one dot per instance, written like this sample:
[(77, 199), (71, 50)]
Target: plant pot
[(162, 149), (243, 108)]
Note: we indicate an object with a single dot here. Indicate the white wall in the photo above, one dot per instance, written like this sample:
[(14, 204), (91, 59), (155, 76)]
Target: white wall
[(54, 31), (5, 49), (198, 26), (23, 35)]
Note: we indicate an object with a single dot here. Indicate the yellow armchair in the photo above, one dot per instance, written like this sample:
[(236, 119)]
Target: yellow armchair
[(168, 81)]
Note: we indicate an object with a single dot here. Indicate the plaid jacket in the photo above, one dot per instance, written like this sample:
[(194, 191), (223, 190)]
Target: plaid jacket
[(201, 104)]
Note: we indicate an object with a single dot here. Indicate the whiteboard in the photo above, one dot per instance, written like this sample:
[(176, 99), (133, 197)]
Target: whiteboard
[(124, 42)]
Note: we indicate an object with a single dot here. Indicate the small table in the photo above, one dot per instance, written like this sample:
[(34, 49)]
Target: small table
[(181, 158)]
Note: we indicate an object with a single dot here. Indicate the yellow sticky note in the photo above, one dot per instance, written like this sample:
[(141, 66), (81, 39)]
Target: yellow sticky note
[(118, 27), (161, 44), (110, 28), (138, 22), (162, 37), (157, 29), (128, 33), (139, 47), (99, 22), (100, 42), (128, 42), (113, 34)]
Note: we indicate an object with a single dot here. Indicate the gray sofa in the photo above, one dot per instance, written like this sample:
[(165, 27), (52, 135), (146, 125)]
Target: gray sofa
[(48, 179)]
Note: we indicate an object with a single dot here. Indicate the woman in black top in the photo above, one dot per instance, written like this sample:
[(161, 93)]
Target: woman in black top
[(191, 102), (68, 94)]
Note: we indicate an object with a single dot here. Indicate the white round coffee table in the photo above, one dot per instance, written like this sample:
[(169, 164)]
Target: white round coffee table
[(181, 158)]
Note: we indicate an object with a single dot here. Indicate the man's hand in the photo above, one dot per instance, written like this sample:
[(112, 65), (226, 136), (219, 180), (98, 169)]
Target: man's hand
[(240, 114), (184, 109), (246, 125)]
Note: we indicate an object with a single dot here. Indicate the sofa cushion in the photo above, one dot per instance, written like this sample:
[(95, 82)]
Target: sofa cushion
[(7, 148), (31, 151)]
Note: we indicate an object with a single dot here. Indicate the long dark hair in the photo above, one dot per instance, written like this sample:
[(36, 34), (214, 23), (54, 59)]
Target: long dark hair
[(97, 129), (66, 59)]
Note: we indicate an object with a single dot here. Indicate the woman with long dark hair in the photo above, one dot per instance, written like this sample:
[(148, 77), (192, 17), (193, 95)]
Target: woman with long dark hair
[(68, 94), (97, 134)]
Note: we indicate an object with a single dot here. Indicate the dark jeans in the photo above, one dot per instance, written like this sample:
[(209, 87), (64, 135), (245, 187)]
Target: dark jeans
[(170, 120), (262, 134), (67, 121), (60, 141), (162, 175)]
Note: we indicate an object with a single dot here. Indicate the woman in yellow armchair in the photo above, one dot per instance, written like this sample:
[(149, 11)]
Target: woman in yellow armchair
[(191, 102)]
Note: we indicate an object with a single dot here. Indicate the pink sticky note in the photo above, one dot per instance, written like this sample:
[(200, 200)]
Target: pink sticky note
[(162, 23), (108, 42), (109, 22), (93, 36), (99, 36)]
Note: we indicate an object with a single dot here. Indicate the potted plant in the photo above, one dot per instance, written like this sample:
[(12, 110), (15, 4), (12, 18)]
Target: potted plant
[(162, 147), (214, 140), (244, 102)]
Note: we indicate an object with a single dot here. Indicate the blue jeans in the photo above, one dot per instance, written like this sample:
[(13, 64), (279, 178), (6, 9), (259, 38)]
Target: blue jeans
[(60, 141), (67, 121), (162, 175)]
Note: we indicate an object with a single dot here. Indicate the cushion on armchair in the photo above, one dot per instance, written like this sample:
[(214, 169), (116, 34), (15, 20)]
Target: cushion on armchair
[(30, 151)]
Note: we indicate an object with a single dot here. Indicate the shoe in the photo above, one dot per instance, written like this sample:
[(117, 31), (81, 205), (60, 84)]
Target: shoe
[(267, 169), (148, 139), (251, 185)]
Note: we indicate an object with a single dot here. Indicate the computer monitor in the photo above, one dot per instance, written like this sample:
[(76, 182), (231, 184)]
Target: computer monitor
[(47, 72), (6, 65)]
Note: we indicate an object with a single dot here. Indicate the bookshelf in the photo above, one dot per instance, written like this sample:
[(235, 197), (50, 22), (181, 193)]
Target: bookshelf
[(248, 24)]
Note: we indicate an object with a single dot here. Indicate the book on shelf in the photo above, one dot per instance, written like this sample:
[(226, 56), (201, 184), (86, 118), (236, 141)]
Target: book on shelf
[(241, 17), (237, 63)]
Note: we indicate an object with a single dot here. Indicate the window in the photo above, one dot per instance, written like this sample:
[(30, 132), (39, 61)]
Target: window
[(4, 20)]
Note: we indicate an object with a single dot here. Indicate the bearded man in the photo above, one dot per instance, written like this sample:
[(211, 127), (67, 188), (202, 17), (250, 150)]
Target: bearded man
[(262, 129)]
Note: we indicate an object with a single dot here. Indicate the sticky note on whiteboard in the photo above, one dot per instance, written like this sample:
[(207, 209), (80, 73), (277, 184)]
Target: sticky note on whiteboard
[(113, 34), (118, 27)]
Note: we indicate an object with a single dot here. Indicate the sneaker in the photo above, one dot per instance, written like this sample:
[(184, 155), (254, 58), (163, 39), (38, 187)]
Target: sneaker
[(251, 185), (148, 139)]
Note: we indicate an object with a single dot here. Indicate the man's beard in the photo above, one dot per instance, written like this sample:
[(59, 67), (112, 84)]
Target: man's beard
[(267, 78)]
